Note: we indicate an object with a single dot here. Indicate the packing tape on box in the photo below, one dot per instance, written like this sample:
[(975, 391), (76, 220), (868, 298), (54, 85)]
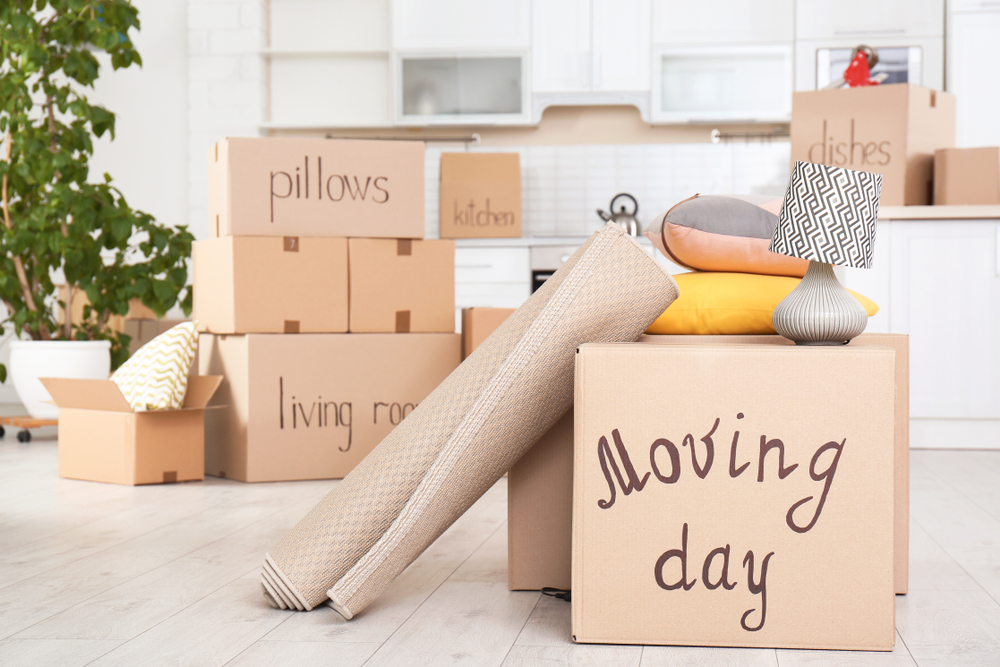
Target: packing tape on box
[(465, 435)]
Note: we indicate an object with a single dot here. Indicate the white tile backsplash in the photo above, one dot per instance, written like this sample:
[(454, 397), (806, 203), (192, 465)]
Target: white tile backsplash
[(562, 186)]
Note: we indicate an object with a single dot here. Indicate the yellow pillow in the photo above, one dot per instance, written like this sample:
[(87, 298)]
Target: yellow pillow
[(729, 303), (155, 378)]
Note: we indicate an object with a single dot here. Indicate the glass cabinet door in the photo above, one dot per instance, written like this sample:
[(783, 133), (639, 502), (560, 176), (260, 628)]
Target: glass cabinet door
[(462, 89)]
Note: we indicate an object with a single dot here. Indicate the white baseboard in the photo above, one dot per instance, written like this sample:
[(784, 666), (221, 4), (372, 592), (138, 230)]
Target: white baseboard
[(955, 434)]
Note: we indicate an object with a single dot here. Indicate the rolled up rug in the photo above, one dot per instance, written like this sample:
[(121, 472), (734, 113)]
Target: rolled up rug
[(462, 438)]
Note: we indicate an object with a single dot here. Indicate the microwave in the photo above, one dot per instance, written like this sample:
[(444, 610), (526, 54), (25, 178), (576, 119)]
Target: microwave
[(902, 64)]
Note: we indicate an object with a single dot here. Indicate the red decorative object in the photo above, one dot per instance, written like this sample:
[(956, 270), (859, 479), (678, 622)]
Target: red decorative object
[(858, 73)]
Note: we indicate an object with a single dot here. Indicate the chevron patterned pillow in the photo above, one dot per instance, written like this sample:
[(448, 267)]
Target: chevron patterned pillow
[(155, 378)]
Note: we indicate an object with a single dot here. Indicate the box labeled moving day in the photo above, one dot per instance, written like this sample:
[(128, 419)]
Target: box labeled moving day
[(891, 130), (266, 284), (734, 495), (480, 195), (402, 285), (312, 406), (316, 187), (478, 324), (102, 439), (539, 543), (966, 176)]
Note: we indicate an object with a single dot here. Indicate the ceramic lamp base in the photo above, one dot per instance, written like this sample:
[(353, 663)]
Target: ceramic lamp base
[(819, 311)]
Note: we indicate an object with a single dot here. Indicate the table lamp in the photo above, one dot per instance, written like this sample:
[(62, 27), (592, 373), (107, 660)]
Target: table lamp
[(828, 217)]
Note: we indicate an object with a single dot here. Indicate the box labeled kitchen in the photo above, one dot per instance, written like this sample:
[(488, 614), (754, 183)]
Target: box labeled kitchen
[(266, 284), (102, 439), (480, 195), (538, 545), (967, 176), (734, 495), (478, 324), (312, 406), (891, 130), (402, 285), (316, 187)]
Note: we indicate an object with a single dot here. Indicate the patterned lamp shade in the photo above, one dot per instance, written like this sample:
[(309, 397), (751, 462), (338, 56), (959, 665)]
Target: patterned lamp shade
[(829, 215)]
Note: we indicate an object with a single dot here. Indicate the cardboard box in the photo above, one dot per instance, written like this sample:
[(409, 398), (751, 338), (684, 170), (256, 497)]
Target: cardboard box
[(102, 439), (401, 286), (540, 512), (265, 284), (540, 479), (966, 176), (136, 310), (478, 324), (312, 406), (144, 330), (316, 187), (734, 495), (480, 195), (891, 130)]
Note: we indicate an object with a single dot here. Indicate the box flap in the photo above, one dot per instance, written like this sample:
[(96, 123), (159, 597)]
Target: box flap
[(488, 167), (200, 390), (86, 394)]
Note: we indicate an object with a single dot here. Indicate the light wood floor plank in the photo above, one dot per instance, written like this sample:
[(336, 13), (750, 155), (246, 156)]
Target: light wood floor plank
[(52, 653), (267, 653), (411, 588), (578, 655), (209, 633), (464, 621), (898, 657), (132, 607), (694, 656), (950, 628)]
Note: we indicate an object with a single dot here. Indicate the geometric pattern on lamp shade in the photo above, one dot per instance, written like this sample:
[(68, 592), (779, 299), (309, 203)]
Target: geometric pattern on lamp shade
[(829, 215)]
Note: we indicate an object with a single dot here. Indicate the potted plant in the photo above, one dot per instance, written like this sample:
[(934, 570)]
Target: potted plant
[(59, 223)]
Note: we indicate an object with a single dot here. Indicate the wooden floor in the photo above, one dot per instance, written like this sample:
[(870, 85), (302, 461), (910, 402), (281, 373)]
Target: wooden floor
[(96, 574)]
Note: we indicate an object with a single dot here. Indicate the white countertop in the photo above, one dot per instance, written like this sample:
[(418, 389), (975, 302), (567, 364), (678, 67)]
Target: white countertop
[(533, 241), (938, 212)]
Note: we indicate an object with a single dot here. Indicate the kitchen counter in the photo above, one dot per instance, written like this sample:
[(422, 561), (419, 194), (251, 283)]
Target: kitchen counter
[(535, 241), (938, 212)]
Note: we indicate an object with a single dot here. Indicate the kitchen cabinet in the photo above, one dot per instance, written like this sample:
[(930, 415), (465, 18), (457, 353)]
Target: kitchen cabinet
[(938, 280), (590, 46), (456, 89), (973, 55), (868, 20), (490, 275), (922, 57), (342, 45), (461, 24), (677, 22), (722, 83)]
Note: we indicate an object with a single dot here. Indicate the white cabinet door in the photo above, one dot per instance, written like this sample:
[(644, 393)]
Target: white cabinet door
[(974, 77), (560, 46), (876, 282), (946, 296), (460, 24), (931, 50), (825, 19), (621, 38), (722, 22)]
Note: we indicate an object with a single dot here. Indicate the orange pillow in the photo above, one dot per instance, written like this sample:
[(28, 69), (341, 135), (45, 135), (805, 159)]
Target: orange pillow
[(724, 233)]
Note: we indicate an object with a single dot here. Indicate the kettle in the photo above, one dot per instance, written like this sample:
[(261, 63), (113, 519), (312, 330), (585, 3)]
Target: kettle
[(626, 220)]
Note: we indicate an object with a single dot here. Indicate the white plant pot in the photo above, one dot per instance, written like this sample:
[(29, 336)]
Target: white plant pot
[(33, 359)]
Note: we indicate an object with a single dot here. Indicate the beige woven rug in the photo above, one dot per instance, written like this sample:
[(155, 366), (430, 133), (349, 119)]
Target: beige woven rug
[(463, 437)]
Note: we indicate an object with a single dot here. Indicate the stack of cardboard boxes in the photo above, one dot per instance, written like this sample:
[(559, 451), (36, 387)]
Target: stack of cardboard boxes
[(327, 312)]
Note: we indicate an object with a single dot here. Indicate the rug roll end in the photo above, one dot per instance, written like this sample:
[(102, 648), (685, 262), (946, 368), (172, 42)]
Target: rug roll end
[(339, 608), (278, 591)]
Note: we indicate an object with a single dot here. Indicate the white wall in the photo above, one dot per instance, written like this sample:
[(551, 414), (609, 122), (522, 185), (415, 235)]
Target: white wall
[(148, 158), (227, 86)]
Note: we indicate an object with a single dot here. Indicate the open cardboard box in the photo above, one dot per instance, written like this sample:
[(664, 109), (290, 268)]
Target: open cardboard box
[(102, 439)]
